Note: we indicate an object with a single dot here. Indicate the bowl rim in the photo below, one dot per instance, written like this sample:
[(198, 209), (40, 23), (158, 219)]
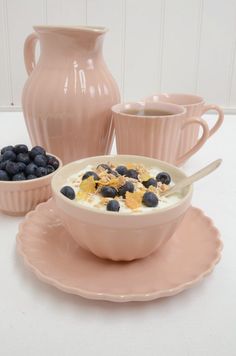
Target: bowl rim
[(39, 179), (92, 209)]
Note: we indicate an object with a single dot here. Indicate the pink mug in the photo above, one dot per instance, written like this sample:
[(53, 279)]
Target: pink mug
[(154, 130), (195, 107)]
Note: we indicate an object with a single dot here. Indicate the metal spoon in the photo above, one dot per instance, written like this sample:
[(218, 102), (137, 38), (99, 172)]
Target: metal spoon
[(193, 178)]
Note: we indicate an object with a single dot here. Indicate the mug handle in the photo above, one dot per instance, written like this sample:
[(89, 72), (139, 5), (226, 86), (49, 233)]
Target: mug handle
[(219, 120), (29, 52), (199, 143)]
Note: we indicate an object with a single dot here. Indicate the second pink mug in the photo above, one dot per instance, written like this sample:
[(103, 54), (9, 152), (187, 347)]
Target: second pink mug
[(195, 107), (154, 130)]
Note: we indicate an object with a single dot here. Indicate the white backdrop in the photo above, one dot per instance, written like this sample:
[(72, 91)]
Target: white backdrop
[(152, 45)]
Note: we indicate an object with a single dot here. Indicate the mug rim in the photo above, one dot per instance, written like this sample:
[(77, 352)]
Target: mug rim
[(199, 99), (119, 109)]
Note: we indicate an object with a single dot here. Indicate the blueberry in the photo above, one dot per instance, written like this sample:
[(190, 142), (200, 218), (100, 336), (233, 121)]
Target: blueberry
[(108, 192), (31, 168), (37, 150), (163, 177), (4, 175), (12, 168), (68, 192), (113, 205), (19, 176), (8, 156), (132, 173), (41, 172), (20, 149), (23, 157), (1, 158), (127, 187), (52, 161), (89, 174), (122, 170), (40, 160), (106, 167), (31, 176), (149, 182), (150, 199), (7, 148), (50, 169), (3, 165), (21, 166), (114, 173), (55, 163)]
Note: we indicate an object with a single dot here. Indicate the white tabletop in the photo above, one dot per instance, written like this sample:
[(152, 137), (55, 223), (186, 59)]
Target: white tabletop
[(39, 320)]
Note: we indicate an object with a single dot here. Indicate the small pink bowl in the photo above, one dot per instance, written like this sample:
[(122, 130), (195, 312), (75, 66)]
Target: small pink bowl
[(19, 197), (119, 236)]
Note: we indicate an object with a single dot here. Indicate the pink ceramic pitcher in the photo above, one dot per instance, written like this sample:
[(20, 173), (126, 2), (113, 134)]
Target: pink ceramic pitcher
[(68, 96)]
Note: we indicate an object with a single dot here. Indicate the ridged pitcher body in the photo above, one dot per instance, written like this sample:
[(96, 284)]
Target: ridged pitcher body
[(68, 96)]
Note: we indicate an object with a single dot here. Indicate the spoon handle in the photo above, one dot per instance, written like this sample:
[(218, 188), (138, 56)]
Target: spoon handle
[(193, 178)]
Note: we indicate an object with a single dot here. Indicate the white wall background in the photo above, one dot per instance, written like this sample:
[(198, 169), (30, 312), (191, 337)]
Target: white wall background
[(152, 45)]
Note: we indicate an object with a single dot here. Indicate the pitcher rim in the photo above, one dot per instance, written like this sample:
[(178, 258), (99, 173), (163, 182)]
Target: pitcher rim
[(85, 28)]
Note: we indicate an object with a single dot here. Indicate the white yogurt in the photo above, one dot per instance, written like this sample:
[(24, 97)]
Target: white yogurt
[(163, 202)]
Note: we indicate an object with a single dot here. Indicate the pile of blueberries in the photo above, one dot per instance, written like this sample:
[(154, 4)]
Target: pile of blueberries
[(150, 199), (19, 163)]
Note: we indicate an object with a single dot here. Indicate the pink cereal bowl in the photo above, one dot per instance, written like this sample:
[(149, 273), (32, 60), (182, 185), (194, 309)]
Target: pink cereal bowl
[(119, 236), (19, 197)]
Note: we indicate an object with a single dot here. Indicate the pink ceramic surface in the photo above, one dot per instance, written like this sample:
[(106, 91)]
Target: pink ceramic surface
[(19, 197), (50, 252), (195, 107), (119, 236), (155, 136), (68, 96)]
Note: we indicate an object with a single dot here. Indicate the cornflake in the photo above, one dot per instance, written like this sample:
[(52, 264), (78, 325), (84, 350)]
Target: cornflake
[(134, 200), (82, 195), (113, 182), (164, 187), (104, 201), (131, 165), (88, 185), (152, 189), (110, 164), (144, 176)]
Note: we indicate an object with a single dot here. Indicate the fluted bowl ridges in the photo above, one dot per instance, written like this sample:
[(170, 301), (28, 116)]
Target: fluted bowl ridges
[(119, 236), (19, 197)]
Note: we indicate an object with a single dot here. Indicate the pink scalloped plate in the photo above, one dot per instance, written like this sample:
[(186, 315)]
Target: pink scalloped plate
[(56, 259)]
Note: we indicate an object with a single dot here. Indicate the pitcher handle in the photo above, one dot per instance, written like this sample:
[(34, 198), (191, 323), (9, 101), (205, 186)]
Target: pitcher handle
[(29, 52), (199, 143)]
